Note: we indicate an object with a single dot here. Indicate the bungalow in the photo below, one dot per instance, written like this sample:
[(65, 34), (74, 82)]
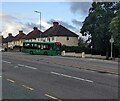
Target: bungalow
[(58, 33), (34, 35)]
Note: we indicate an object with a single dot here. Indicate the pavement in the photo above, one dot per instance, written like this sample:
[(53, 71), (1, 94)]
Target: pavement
[(54, 77)]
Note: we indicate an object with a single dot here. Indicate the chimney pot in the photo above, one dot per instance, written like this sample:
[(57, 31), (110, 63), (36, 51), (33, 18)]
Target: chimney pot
[(10, 34), (35, 28), (55, 23), (20, 31)]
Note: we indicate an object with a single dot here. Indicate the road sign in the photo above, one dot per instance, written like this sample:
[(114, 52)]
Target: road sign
[(111, 40)]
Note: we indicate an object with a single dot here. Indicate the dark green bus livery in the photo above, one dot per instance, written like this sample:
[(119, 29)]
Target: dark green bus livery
[(44, 48)]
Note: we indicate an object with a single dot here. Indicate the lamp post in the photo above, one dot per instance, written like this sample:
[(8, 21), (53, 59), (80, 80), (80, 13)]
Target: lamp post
[(40, 21), (111, 41)]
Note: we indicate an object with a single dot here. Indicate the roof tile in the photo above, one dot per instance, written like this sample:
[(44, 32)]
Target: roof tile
[(58, 30)]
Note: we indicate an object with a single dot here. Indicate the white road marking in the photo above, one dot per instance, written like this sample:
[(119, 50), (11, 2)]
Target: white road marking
[(52, 97), (112, 74), (0, 76), (116, 75), (30, 67), (11, 80), (87, 70), (21, 65), (15, 66), (7, 62), (109, 74), (28, 87), (73, 77), (91, 71)]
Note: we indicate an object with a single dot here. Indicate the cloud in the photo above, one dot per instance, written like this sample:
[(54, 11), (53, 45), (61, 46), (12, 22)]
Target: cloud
[(77, 23), (80, 7), (65, 24), (45, 25), (11, 24)]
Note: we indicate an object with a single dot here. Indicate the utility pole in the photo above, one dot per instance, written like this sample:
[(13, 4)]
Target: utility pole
[(40, 22)]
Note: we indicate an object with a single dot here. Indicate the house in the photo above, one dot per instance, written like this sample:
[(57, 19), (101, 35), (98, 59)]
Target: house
[(19, 39), (17, 42), (7, 41), (58, 33), (34, 35), (1, 41)]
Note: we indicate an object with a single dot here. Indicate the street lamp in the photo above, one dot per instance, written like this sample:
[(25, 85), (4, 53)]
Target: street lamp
[(111, 41), (40, 20)]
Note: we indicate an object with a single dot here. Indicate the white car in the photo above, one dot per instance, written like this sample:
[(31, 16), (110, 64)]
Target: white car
[(2, 49)]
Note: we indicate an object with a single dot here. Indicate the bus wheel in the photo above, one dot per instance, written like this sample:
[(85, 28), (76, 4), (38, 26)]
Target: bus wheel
[(31, 52), (45, 53)]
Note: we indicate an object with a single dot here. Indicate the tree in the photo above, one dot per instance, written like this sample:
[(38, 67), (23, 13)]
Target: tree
[(81, 42), (96, 24), (115, 29)]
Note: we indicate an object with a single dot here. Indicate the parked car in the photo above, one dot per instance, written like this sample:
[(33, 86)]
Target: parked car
[(2, 49)]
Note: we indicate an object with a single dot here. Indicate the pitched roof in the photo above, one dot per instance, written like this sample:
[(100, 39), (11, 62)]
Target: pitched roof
[(34, 34), (8, 39), (58, 30), (21, 35)]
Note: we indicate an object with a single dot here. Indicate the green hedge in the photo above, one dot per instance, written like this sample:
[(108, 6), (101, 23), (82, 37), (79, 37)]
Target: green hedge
[(79, 49)]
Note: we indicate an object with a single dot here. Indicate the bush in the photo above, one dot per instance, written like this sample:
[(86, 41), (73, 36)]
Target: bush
[(76, 49), (80, 49)]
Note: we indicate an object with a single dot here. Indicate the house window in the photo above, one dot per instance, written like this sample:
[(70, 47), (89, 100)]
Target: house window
[(21, 41), (52, 38), (67, 38), (48, 39), (41, 39)]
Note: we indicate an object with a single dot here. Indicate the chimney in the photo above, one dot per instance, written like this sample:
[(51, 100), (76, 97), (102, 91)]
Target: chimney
[(35, 28), (55, 23), (10, 34), (20, 32)]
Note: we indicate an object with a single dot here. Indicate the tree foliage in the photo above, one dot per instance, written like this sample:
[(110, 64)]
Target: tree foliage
[(81, 42), (97, 23), (115, 27)]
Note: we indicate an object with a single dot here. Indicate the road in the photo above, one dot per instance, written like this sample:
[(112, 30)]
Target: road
[(55, 77)]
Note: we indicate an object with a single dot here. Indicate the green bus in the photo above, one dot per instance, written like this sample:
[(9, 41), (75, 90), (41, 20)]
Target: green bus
[(44, 48)]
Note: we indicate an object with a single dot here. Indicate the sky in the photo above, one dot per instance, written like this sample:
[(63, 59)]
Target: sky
[(17, 16)]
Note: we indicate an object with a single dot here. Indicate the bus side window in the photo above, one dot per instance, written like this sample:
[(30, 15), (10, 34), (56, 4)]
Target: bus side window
[(26, 45), (41, 46), (50, 47), (35, 46), (44, 47), (31, 45)]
